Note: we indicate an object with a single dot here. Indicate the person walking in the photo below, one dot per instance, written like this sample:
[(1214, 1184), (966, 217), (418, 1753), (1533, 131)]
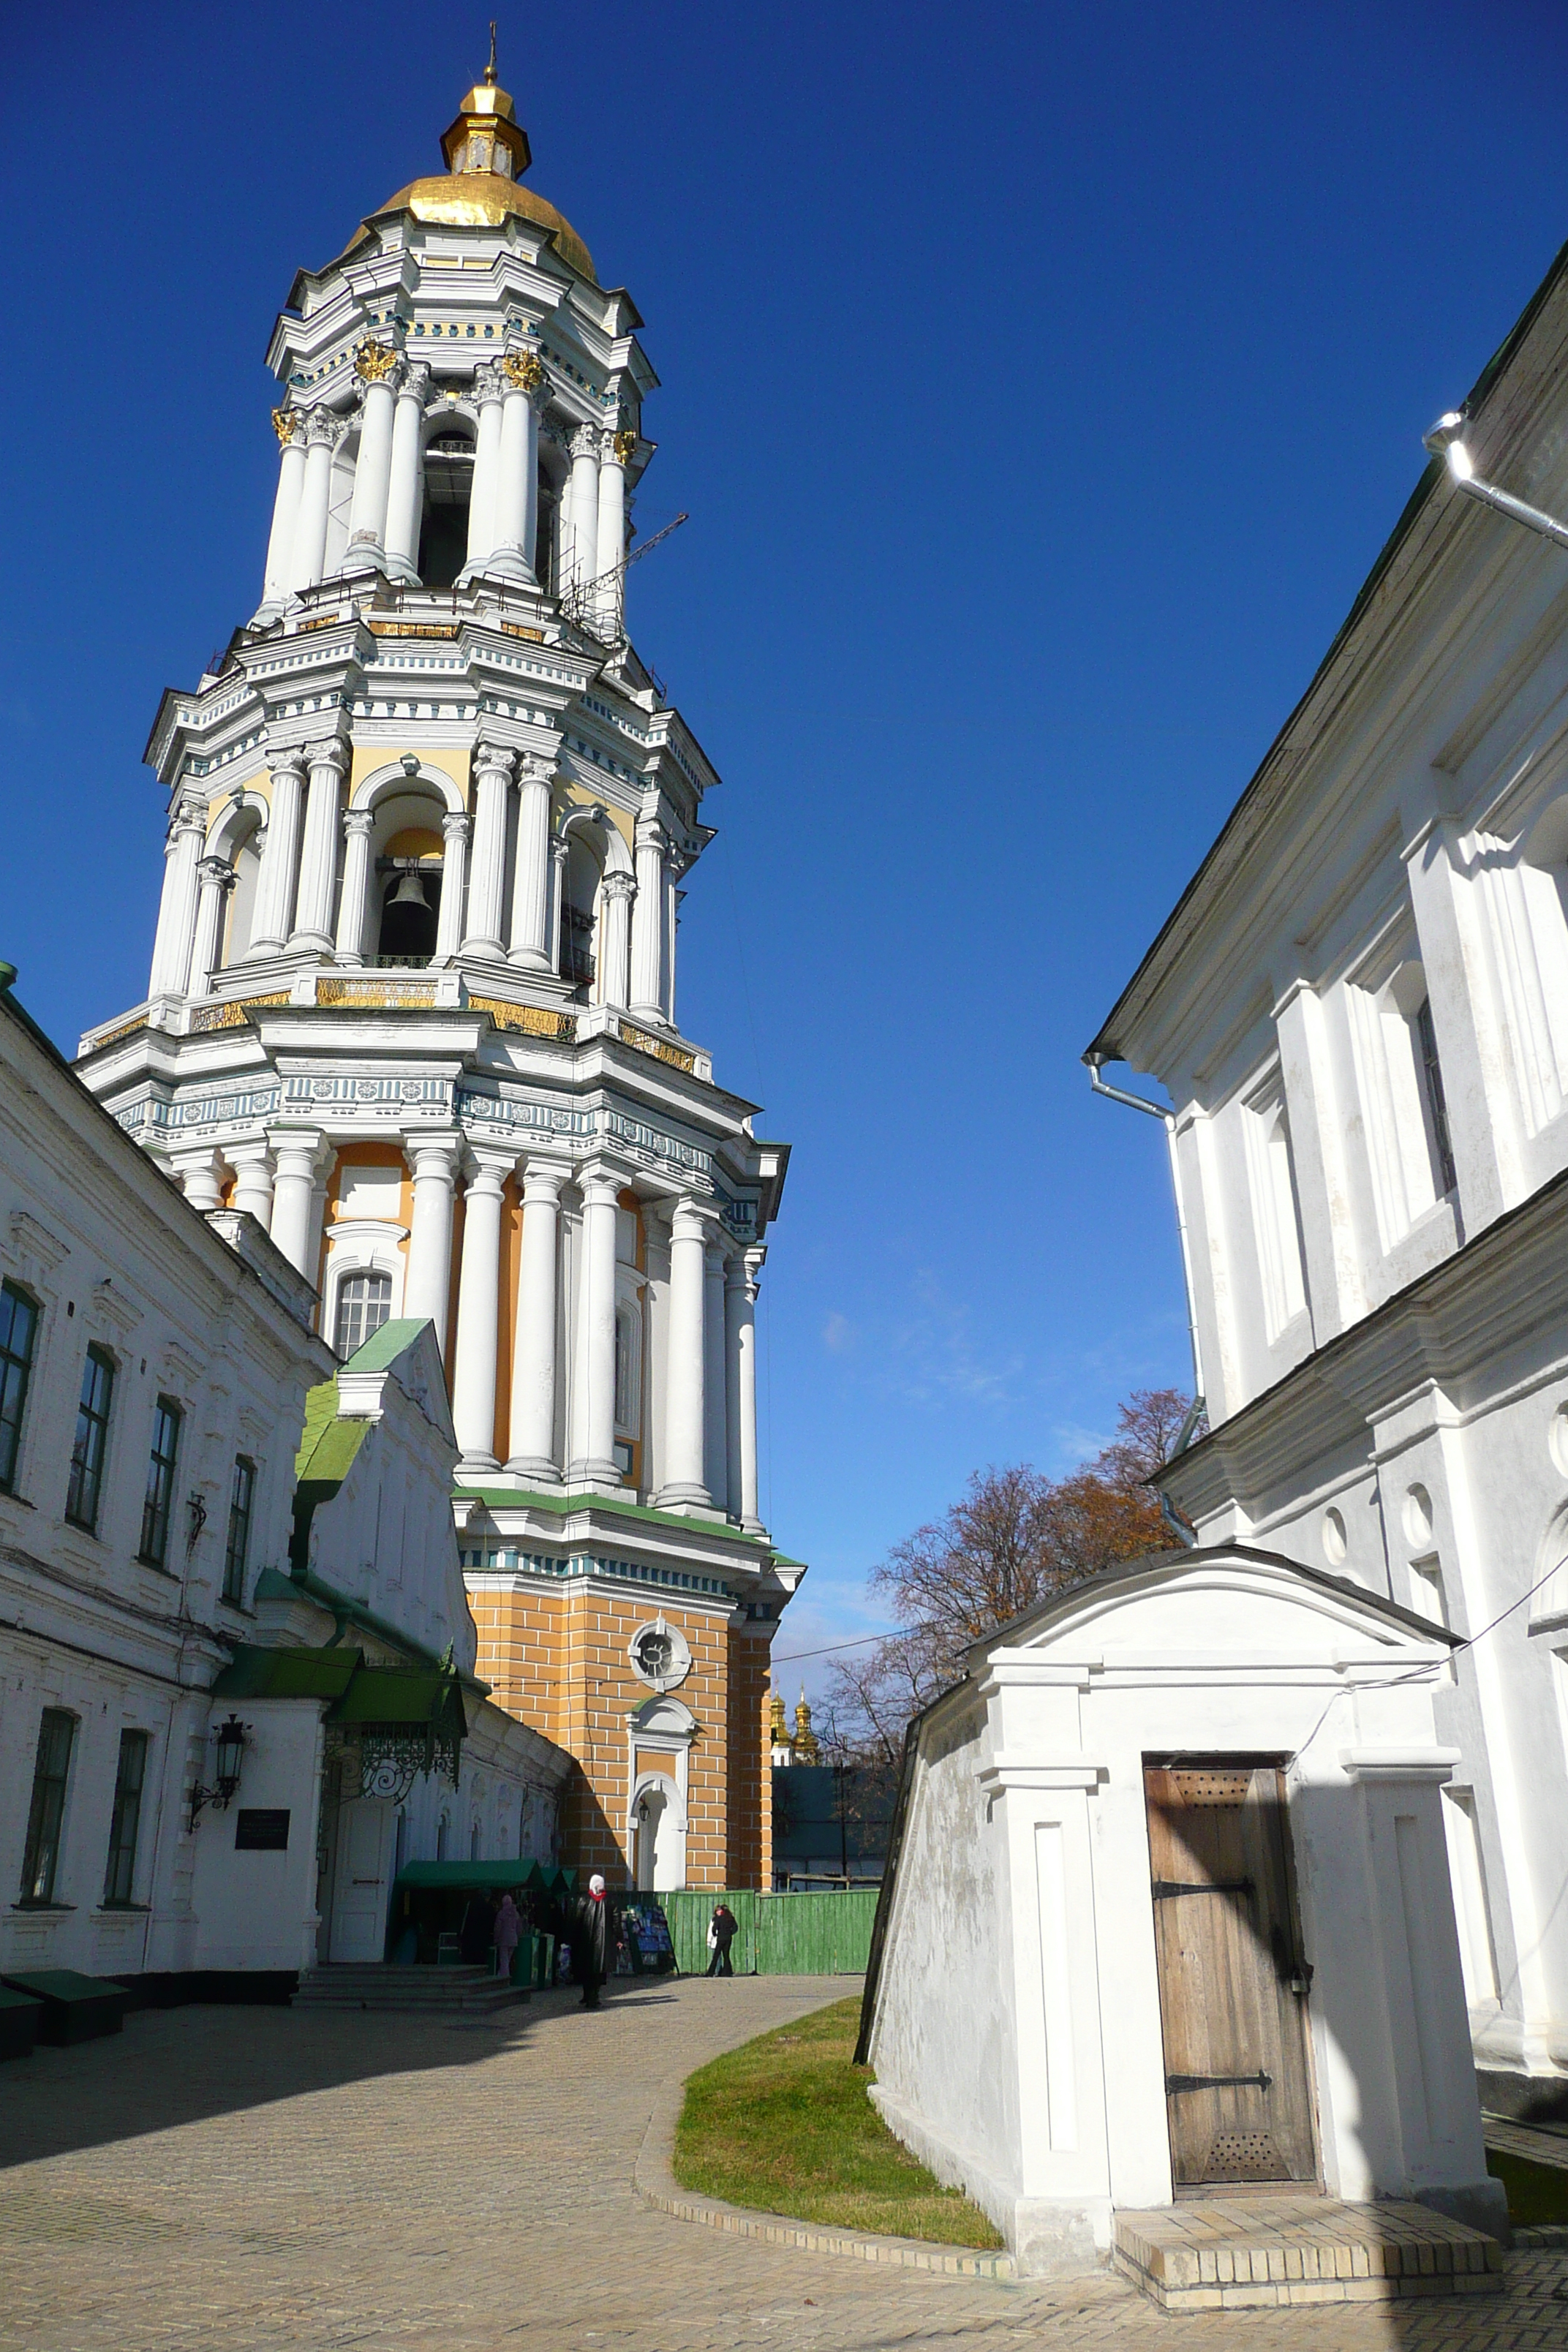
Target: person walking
[(506, 1935), (722, 1930), (590, 1940)]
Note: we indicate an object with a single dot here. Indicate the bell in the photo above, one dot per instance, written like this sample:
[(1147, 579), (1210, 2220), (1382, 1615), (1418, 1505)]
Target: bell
[(410, 892)]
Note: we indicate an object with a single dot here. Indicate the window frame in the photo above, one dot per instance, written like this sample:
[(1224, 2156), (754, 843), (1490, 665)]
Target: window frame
[(47, 1804), (1434, 1100), (125, 1807), (84, 1486), (15, 1378), (158, 1501), (346, 1281), (234, 1562)]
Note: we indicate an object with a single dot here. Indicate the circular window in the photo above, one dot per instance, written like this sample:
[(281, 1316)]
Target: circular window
[(660, 1655), (1334, 1545), (1418, 1516)]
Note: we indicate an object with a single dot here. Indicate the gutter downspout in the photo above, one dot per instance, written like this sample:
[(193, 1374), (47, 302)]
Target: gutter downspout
[(1179, 1528)]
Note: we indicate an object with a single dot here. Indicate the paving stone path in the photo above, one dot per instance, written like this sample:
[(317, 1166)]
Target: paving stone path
[(253, 2180)]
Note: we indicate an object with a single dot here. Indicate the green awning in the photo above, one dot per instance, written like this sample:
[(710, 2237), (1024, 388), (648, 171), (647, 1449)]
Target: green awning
[(402, 1695), (258, 1672), (459, 1875)]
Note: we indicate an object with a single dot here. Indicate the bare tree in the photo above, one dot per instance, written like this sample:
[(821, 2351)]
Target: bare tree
[(1013, 1539)]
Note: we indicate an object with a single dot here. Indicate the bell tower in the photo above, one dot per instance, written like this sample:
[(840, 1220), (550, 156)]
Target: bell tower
[(413, 1005)]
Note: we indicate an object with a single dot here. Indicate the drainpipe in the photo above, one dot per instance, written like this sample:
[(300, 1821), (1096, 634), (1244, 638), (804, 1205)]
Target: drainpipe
[(1178, 1525)]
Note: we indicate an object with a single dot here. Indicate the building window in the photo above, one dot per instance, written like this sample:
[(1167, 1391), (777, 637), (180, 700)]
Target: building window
[(40, 1858), (626, 1371), (1446, 1174), (125, 1820), (242, 1494), (18, 1331), (159, 1499), (91, 1441), (364, 1303)]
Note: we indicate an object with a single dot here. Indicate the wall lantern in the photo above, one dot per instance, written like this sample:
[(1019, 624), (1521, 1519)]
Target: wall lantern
[(229, 1760)]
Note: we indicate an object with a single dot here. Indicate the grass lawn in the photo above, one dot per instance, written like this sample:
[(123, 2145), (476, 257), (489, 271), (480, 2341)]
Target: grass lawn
[(784, 2124), (1536, 2193)]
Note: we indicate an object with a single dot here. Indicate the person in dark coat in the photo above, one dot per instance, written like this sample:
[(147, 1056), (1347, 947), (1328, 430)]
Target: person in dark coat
[(475, 1934), (590, 1940), (724, 1928)]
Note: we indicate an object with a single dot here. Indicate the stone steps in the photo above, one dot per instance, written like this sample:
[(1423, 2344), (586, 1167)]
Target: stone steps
[(439, 1992), (1235, 2253)]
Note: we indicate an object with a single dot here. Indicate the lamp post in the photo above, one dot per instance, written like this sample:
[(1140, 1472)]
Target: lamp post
[(1446, 440), (228, 1763)]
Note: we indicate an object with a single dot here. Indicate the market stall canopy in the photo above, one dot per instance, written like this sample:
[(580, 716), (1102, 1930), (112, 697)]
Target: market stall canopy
[(536, 1877)]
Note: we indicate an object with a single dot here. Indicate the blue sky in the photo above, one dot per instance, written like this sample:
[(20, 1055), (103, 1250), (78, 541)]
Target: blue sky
[(1041, 383)]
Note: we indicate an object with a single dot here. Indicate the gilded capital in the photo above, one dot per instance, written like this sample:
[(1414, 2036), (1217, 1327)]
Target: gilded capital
[(524, 370), (285, 424), (373, 360), (626, 446)]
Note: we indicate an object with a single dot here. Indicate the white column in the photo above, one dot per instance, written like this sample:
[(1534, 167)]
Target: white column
[(531, 881), (295, 1151), (558, 853), (373, 466), (479, 1313), (511, 555), (285, 509), (455, 830), (684, 1359), (426, 1285), (177, 907), (734, 1311), (252, 1165), (492, 775), (594, 1389), (308, 556), (673, 894), (217, 878), (715, 1382), (280, 857), (318, 852), (618, 891), (487, 468), (585, 547), (200, 1179), (612, 525), (534, 1353), (743, 1422), (355, 905), (648, 922), (406, 492)]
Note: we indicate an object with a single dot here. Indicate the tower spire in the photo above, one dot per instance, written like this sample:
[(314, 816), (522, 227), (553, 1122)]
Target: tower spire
[(491, 68)]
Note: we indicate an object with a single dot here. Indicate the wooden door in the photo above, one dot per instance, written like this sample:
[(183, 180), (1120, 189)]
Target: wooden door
[(359, 1888), (1231, 1980)]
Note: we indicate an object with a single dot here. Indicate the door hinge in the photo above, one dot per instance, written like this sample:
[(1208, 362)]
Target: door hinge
[(1259, 2082), (1166, 1887)]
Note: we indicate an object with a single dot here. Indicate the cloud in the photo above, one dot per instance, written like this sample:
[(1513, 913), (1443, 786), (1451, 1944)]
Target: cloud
[(937, 1354), (839, 1333)]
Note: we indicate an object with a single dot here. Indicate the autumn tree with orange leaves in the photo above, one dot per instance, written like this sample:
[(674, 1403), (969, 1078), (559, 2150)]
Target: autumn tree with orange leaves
[(1014, 1539)]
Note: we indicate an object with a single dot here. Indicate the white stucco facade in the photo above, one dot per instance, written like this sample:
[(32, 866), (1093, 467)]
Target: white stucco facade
[(1359, 1011), (1015, 2017)]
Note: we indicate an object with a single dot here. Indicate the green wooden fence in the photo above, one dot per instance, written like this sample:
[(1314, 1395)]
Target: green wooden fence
[(780, 1934)]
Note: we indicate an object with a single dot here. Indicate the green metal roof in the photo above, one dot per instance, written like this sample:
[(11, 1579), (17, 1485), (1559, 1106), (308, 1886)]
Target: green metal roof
[(509, 1498), (258, 1672), (401, 1695), (382, 1349), (459, 1876)]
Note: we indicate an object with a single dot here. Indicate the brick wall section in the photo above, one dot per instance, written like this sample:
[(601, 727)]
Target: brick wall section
[(558, 1659)]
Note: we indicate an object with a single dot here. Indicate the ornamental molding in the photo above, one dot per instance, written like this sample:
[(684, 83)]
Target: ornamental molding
[(524, 370)]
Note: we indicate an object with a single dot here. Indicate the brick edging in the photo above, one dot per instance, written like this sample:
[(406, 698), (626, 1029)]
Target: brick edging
[(657, 2186)]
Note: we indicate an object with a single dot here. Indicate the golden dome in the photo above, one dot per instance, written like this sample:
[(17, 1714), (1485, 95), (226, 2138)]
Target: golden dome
[(471, 193), (484, 200)]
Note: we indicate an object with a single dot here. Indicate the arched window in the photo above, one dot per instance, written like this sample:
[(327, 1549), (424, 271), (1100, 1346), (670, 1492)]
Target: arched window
[(448, 487), (364, 1302)]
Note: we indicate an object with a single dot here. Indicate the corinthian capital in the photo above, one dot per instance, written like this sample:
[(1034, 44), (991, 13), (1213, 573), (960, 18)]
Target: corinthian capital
[(488, 381), (620, 885), (285, 424), (331, 752), (414, 381), (321, 424), (586, 442), (489, 758)]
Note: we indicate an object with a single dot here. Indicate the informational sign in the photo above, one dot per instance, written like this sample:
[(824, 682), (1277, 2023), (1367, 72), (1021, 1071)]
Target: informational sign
[(261, 1830)]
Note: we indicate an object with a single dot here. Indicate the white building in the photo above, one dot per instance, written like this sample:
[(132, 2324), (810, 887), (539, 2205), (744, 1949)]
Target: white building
[(413, 997), (1360, 1010), (155, 1365), (1167, 1907)]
